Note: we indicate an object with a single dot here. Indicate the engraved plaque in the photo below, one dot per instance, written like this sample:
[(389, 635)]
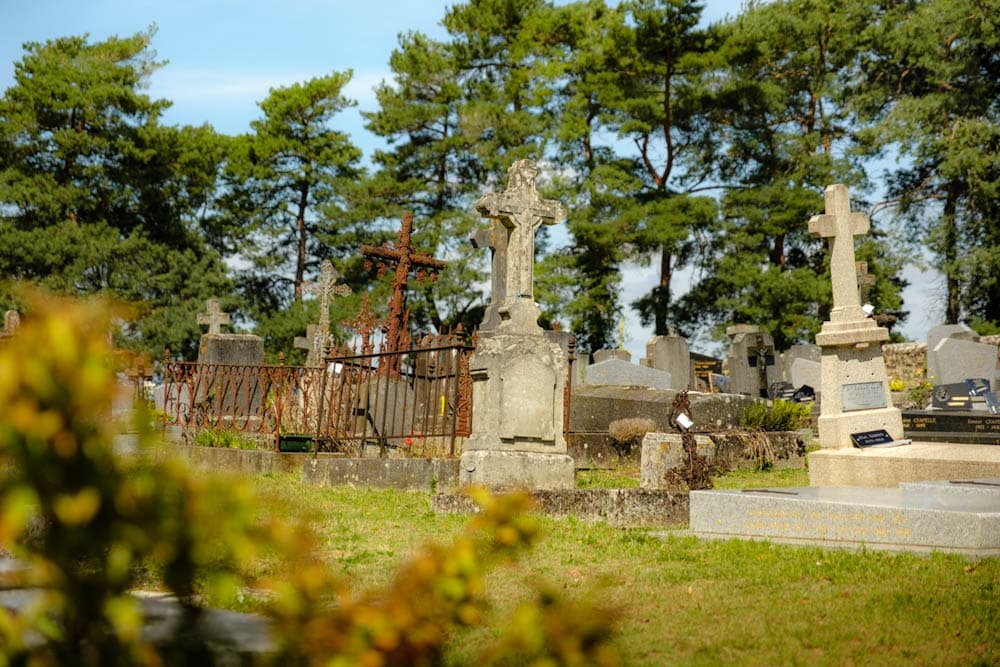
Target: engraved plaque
[(862, 396)]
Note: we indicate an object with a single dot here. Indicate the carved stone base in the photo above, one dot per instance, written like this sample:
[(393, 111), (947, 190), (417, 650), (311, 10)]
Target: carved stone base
[(855, 386), (517, 470)]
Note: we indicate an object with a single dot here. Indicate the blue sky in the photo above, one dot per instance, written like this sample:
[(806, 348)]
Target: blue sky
[(224, 55)]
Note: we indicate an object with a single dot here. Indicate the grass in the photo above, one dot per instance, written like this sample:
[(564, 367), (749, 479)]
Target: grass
[(684, 601)]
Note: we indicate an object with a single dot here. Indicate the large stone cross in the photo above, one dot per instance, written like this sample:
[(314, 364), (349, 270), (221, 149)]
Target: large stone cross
[(214, 318), (494, 238), (840, 226), (521, 211), (324, 288)]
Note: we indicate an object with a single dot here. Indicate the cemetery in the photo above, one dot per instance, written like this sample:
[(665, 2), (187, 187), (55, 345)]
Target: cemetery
[(334, 413)]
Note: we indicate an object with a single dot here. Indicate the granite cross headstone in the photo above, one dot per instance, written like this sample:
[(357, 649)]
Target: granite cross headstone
[(214, 317)]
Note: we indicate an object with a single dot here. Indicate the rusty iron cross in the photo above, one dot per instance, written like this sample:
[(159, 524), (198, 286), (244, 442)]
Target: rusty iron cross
[(214, 318), (365, 324), (405, 260)]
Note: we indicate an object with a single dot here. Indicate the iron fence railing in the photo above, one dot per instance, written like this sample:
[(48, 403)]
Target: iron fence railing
[(418, 399)]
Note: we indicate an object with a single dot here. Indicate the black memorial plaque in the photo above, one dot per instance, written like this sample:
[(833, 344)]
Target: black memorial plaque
[(976, 428), (871, 438)]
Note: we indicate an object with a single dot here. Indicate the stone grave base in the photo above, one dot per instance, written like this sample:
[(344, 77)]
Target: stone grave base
[(509, 470), (908, 518), (626, 508), (889, 466)]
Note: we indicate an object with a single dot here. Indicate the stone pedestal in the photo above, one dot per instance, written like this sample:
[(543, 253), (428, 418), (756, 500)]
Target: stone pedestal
[(855, 385), (517, 420)]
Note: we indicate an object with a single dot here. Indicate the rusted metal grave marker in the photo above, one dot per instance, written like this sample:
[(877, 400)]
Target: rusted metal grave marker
[(405, 260)]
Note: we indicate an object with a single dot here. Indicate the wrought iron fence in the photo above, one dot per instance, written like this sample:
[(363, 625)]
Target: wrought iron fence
[(360, 401)]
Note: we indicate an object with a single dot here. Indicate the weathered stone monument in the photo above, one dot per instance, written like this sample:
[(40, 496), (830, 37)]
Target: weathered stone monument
[(672, 355), (751, 360), (519, 375), (227, 393), (855, 387), (317, 338)]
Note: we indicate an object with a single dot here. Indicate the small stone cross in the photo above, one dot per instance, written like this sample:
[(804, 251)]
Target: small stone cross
[(494, 238), (840, 226), (214, 318), (521, 211), (865, 281)]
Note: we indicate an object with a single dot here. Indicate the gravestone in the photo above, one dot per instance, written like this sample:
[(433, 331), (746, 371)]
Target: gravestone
[(751, 360), (519, 375), (806, 351), (805, 373), (854, 387), (671, 354), (960, 331), (956, 359), (224, 391)]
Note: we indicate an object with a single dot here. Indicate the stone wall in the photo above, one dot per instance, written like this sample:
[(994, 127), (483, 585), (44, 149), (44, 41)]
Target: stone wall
[(906, 362)]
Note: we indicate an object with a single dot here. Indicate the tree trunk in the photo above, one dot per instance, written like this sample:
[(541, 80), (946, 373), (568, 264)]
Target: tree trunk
[(662, 297), (302, 235), (950, 251)]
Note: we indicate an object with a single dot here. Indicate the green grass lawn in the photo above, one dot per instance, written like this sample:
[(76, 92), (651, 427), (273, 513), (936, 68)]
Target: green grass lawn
[(682, 600)]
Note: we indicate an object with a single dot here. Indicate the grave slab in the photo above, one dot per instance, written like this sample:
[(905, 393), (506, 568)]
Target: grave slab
[(897, 519)]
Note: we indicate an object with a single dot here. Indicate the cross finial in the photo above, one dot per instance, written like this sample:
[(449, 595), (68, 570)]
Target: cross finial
[(214, 318), (840, 226)]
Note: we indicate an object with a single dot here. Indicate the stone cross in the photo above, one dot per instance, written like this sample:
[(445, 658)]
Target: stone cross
[(405, 260), (323, 288), (521, 211), (840, 226), (313, 342), (865, 281), (494, 238), (214, 318)]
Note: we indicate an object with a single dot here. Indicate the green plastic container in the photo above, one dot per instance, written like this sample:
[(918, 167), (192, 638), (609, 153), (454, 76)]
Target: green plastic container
[(295, 443)]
